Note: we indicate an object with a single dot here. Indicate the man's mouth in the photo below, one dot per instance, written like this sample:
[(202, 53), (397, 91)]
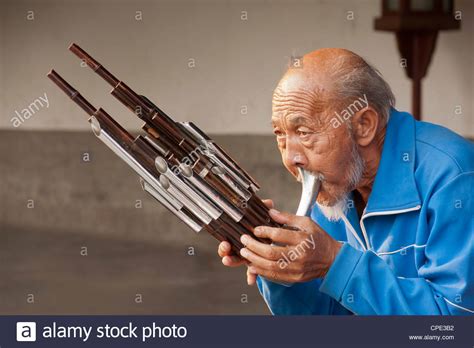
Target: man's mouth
[(318, 175)]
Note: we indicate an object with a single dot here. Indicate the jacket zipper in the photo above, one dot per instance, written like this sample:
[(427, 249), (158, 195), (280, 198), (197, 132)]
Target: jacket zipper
[(390, 212)]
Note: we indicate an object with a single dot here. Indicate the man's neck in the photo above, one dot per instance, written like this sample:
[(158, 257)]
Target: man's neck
[(372, 155)]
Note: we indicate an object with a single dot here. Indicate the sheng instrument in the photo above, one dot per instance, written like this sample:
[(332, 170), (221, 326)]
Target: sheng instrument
[(180, 166)]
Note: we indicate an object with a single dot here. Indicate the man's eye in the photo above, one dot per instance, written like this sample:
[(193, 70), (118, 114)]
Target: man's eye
[(304, 133)]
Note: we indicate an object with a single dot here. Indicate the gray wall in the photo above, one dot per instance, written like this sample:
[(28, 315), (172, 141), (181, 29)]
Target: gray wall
[(238, 62)]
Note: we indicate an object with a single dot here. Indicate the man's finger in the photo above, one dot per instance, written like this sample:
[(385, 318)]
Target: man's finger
[(272, 275), (270, 252), (278, 235), (224, 249), (257, 260), (268, 203), (251, 278), (233, 261), (302, 222)]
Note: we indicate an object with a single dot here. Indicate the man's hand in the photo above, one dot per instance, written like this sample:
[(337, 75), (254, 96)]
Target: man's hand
[(230, 260), (297, 256), (234, 261)]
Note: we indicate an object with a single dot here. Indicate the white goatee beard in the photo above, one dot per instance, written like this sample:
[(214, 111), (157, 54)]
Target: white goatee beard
[(336, 211)]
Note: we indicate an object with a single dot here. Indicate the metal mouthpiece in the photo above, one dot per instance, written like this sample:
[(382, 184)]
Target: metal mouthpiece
[(310, 188)]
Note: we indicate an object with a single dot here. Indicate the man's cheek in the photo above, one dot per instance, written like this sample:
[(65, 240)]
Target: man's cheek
[(291, 168), (317, 163)]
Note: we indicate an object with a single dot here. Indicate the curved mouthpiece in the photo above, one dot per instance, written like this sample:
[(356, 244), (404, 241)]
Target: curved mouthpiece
[(310, 188)]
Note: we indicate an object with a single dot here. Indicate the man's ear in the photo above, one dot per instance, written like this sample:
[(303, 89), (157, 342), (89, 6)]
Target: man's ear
[(365, 124)]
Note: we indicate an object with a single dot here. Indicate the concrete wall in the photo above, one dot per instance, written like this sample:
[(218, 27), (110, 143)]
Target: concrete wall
[(238, 62)]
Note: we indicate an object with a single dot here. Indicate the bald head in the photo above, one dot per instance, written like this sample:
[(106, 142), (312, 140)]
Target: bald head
[(332, 77), (318, 67)]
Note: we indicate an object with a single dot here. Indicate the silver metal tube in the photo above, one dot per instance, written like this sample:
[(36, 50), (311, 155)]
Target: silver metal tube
[(233, 172), (172, 194), (208, 191), (222, 155), (203, 202), (221, 173), (188, 203), (310, 189), (233, 163), (132, 162), (156, 146), (188, 220), (216, 156)]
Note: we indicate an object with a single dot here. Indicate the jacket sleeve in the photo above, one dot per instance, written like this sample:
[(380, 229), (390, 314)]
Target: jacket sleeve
[(366, 285), (298, 299)]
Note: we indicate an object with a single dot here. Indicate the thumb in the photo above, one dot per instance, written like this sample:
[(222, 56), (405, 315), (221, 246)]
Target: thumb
[(289, 219)]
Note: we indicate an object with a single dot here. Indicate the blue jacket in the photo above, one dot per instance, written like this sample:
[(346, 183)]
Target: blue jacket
[(412, 252)]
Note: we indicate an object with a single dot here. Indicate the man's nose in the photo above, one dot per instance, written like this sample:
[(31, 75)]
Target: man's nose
[(294, 154)]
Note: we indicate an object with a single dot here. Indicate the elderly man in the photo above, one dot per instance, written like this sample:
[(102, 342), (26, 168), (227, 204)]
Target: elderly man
[(392, 228)]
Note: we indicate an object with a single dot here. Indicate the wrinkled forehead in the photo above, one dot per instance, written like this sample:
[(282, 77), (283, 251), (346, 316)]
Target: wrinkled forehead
[(298, 105)]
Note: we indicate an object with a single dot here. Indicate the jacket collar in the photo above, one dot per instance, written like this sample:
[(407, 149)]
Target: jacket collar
[(394, 186)]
